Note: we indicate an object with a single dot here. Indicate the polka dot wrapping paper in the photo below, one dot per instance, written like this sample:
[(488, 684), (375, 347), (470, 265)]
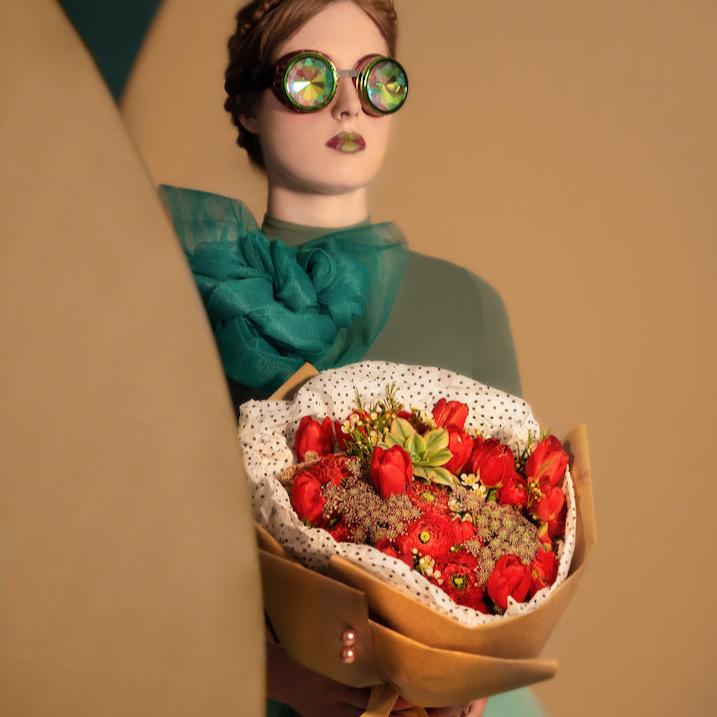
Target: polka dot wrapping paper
[(266, 435)]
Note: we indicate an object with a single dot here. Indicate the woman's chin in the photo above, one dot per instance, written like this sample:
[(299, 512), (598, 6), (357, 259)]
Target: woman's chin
[(341, 176), (334, 183)]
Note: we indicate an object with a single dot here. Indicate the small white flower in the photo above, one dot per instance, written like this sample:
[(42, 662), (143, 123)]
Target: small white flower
[(426, 565)]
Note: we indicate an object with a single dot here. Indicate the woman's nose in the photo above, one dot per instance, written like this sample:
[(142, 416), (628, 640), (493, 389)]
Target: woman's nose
[(346, 101)]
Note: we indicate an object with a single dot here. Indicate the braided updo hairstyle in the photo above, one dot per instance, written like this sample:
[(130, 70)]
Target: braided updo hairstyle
[(262, 27)]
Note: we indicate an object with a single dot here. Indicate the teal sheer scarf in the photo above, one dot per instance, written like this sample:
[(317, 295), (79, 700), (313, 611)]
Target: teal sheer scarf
[(273, 307)]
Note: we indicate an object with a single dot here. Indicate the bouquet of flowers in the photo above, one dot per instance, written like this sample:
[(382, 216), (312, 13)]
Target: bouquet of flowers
[(417, 532), (481, 519)]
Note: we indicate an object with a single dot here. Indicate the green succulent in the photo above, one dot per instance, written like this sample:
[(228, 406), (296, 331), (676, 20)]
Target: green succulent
[(428, 452)]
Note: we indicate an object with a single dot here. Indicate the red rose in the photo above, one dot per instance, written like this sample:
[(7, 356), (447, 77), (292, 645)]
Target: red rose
[(492, 462), (391, 470), (431, 534), (450, 414), (429, 497), (314, 436), (341, 532), (547, 463), (460, 444), (474, 598), (458, 573), (544, 570), (546, 504), (331, 468), (464, 530), (509, 577), (307, 498), (514, 491), (460, 581), (386, 546)]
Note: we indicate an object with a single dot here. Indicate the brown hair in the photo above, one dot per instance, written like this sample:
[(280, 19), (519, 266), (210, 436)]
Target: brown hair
[(262, 26)]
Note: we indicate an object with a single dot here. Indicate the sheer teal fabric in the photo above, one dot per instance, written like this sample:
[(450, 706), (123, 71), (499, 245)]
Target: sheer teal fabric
[(273, 306)]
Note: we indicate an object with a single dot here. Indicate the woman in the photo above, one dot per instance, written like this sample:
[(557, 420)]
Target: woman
[(334, 287)]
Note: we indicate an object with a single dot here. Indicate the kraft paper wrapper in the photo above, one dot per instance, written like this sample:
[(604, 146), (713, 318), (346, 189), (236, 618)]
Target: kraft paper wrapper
[(422, 655)]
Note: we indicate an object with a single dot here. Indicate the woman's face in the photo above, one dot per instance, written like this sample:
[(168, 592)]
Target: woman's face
[(294, 144)]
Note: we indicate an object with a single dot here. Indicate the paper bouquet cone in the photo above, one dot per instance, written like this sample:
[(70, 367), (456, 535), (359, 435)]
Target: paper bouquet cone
[(402, 646)]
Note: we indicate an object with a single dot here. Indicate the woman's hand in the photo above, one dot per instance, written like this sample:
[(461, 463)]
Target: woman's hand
[(472, 709), (309, 693), (313, 695)]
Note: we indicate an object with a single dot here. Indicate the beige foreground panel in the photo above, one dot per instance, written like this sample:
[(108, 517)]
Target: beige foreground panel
[(129, 578)]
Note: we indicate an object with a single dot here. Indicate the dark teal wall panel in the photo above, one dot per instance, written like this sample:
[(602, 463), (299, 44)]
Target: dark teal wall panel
[(113, 31)]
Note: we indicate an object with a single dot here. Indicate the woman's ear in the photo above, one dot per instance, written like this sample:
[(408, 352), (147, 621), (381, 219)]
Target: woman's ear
[(250, 122)]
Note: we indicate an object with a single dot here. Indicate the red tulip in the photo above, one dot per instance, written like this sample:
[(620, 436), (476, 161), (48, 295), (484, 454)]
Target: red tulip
[(307, 499), (391, 470), (546, 504), (460, 444), (544, 570), (509, 577), (514, 491), (312, 436), (546, 464), (493, 462), (450, 414)]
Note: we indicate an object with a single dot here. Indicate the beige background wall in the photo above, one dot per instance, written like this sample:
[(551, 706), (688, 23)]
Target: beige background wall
[(577, 172), (564, 151)]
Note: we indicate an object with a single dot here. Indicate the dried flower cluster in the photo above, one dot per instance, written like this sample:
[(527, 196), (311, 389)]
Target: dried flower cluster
[(372, 519)]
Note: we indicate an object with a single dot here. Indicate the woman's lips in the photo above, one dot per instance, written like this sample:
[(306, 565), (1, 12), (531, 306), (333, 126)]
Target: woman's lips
[(348, 142)]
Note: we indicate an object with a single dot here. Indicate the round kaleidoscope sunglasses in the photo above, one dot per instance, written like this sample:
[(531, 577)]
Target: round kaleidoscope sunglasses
[(306, 81)]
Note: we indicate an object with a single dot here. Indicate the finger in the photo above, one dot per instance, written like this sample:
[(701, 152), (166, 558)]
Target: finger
[(452, 711), (477, 708), (402, 704)]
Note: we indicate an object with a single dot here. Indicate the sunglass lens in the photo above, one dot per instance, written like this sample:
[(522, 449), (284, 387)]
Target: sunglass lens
[(309, 83), (387, 86)]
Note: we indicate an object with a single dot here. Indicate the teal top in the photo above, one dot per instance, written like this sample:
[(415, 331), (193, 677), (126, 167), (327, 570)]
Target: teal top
[(443, 315), (440, 315)]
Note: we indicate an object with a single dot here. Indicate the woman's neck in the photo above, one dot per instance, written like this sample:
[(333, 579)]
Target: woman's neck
[(317, 210)]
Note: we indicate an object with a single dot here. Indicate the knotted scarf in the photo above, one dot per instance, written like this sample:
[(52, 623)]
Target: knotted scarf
[(273, 307)]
